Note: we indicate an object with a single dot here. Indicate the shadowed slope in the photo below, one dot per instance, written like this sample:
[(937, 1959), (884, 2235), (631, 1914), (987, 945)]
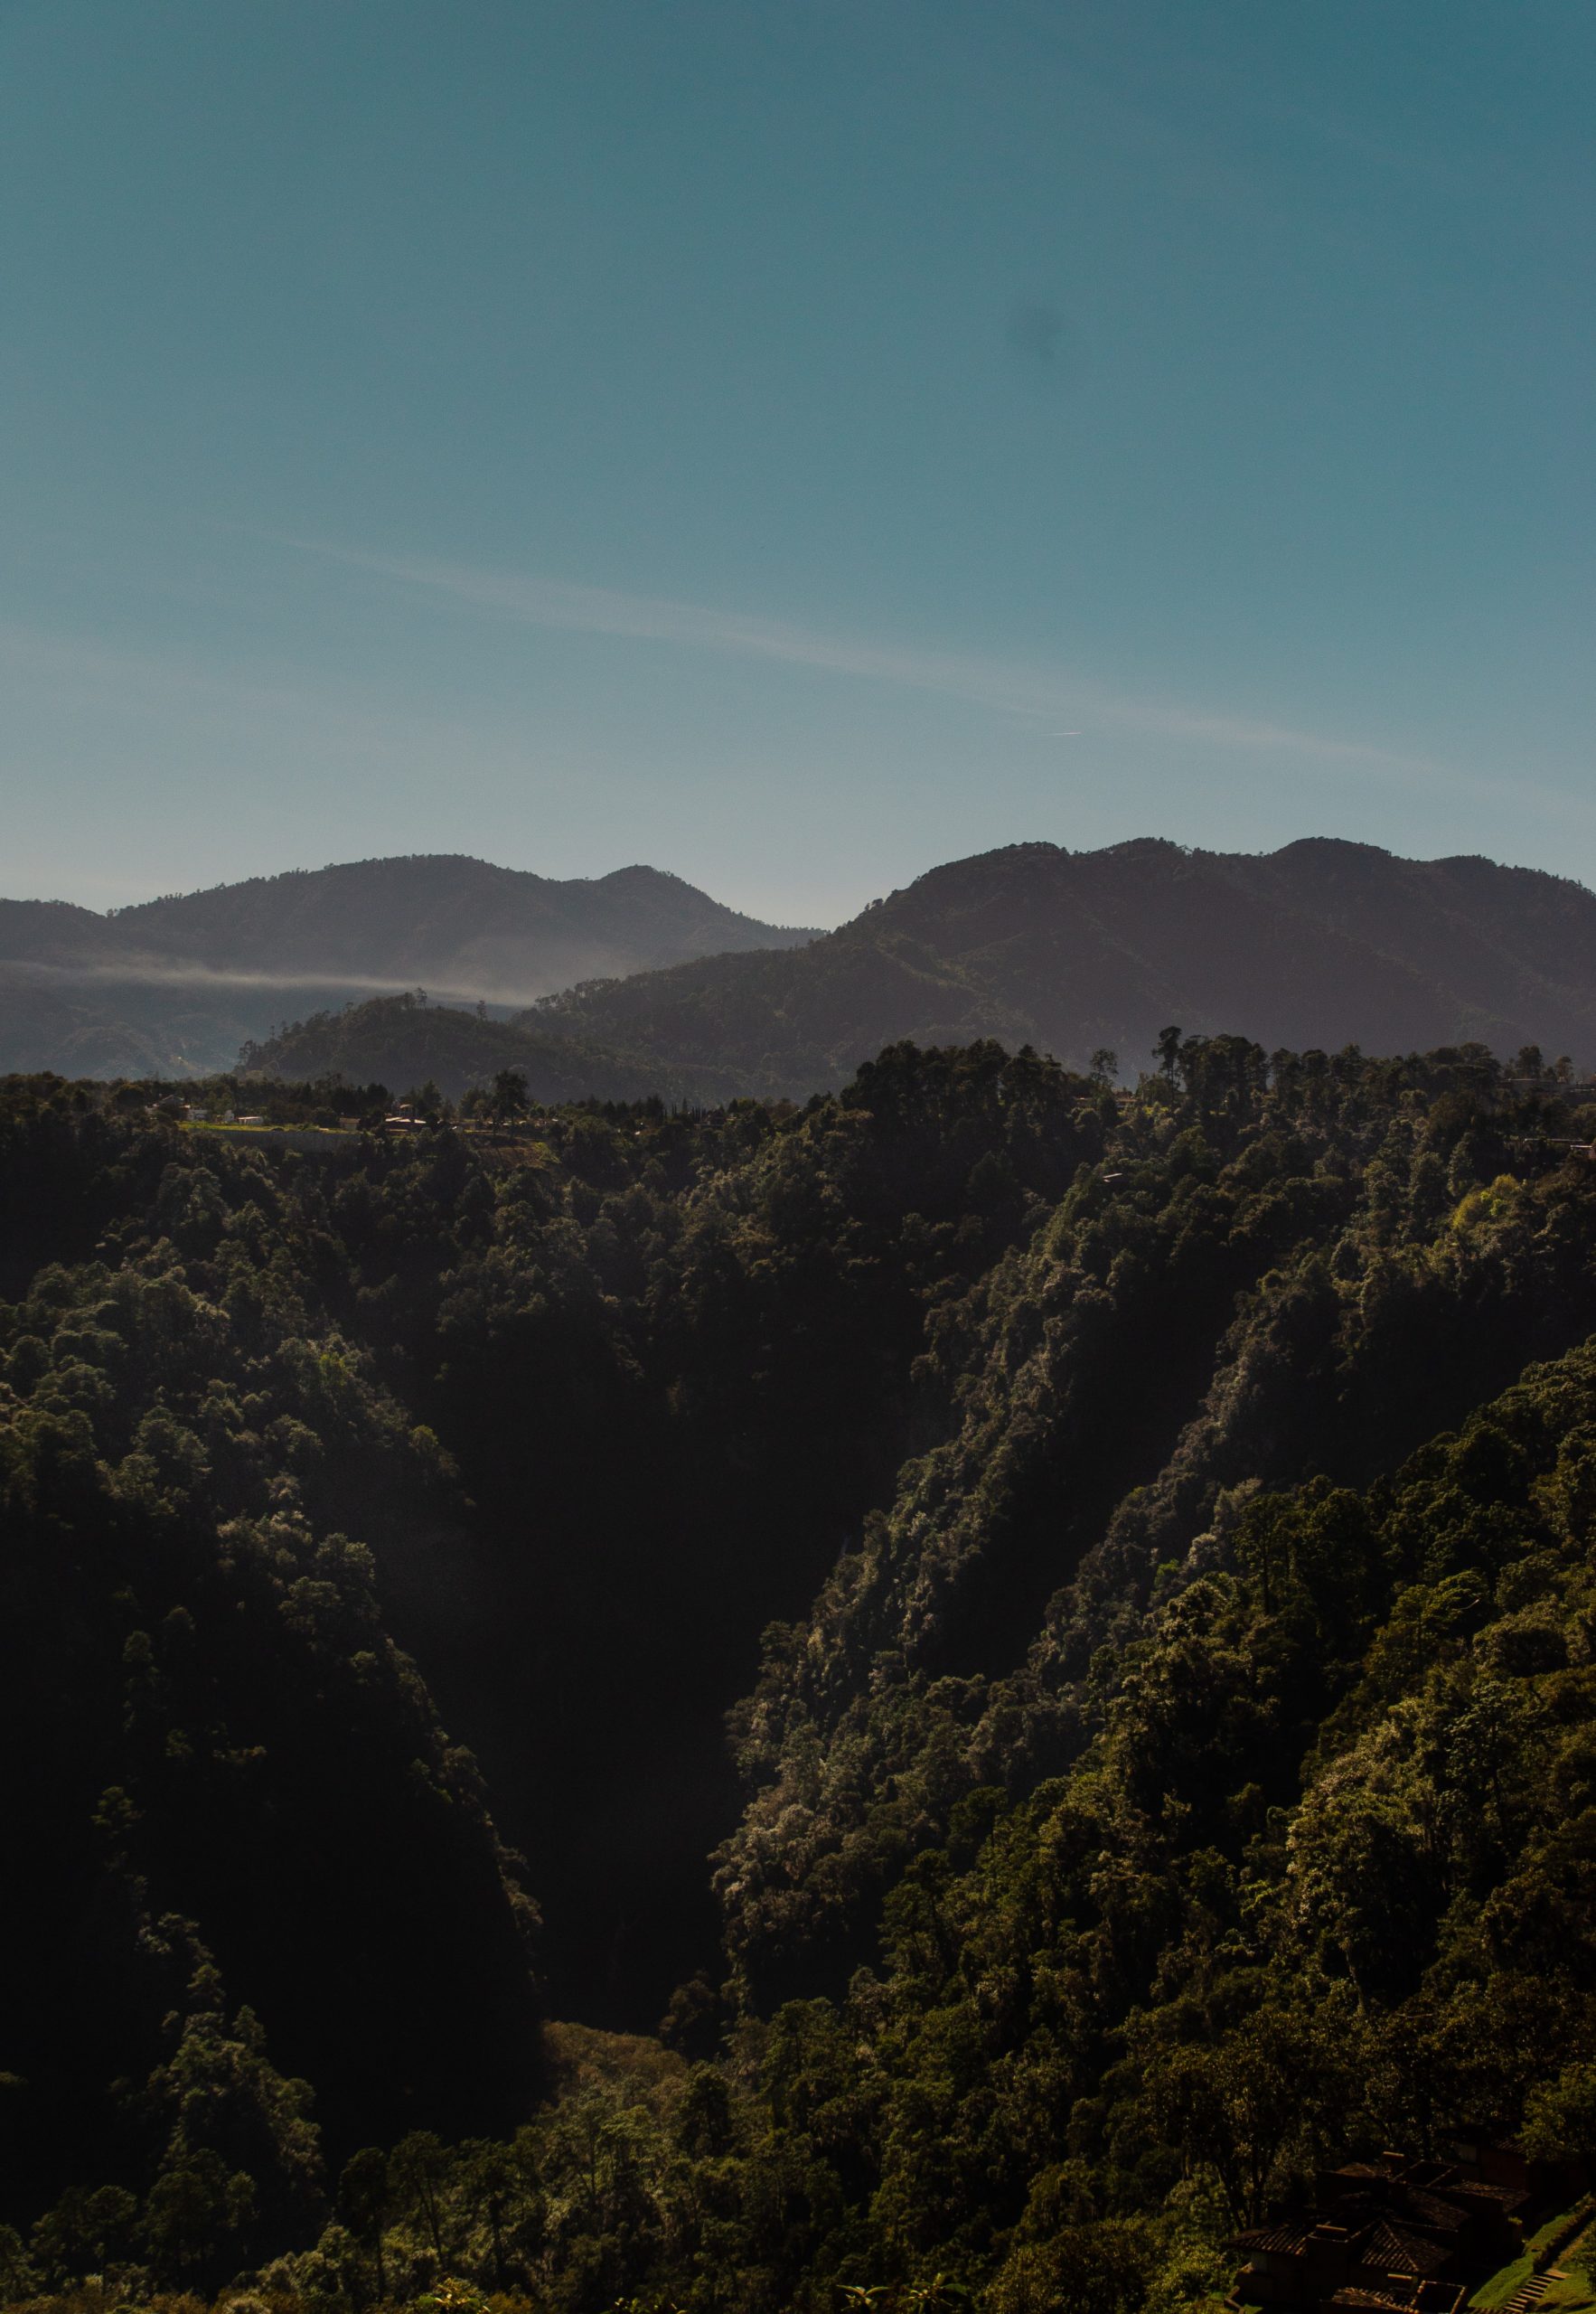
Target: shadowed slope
[(1322, 944)]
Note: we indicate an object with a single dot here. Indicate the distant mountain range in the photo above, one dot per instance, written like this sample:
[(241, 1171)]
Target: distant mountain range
[(1323, 943), (175, 986), (637, 982)]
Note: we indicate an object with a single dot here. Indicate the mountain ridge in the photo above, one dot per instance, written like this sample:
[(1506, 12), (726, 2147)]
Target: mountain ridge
[(176, 984), (1320, 943), (652, 984)]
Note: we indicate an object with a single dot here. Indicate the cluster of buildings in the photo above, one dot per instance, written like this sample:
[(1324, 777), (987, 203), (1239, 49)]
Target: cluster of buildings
[(1400, 2234)]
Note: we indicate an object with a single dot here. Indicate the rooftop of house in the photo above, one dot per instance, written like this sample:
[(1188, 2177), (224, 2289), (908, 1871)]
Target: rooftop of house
[(1394, 2230), (1396, 2249)]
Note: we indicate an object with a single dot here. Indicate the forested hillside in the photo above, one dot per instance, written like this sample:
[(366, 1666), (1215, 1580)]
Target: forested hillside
[(1143, 1542), (407, 1041), (1320, 943)]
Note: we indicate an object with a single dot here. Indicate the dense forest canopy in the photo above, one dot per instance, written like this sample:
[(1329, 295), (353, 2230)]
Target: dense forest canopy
[(1143, 1543)]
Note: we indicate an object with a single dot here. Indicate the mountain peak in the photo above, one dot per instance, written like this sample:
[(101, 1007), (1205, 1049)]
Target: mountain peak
[(195, 974), (1323, 943)]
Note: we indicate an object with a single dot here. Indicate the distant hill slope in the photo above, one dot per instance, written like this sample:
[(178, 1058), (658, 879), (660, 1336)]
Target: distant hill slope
[(401, 1041), (1322, 944), (178, 983)]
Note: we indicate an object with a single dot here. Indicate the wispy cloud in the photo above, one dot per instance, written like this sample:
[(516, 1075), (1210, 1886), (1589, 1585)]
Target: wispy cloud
[(1008, 688), (263, 709)]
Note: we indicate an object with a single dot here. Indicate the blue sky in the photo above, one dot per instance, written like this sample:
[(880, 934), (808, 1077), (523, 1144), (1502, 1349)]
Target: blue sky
[(791, 442)]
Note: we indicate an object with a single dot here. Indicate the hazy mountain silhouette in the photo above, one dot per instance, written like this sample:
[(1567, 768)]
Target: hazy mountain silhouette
[(1323, 943), (403, 1041), (178, 983)]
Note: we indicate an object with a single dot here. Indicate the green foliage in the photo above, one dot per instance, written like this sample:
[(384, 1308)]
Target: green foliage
[(407, 1041), (1172, 1762)]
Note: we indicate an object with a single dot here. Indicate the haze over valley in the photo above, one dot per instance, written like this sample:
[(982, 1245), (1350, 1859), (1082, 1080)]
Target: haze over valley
[(174, 986)]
